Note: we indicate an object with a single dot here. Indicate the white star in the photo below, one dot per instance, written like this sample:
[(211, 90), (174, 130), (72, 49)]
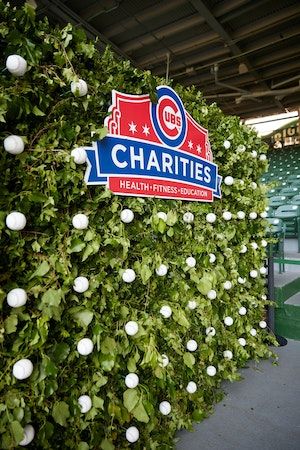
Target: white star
[(199, 149), (132, 127), (190, 145), (146, 129)]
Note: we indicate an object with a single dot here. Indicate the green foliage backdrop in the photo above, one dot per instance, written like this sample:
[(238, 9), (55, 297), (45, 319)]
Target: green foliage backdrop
[(47, 186)]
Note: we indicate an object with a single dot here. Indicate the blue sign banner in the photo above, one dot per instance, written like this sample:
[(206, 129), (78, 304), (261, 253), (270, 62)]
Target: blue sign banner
[(116, 156)]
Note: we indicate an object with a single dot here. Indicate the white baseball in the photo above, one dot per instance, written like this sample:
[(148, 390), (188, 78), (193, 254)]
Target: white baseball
[(165, 360), (263, 324), (132, 380), (81, 284), (228, 354), (212, 258), (253, 332), (28, 435), (241, 215), (131, 328), (127, 215), (211, 218), (14, 144), (192, 345), (128, 275), (212, 294), (85, 346), (253, 273), (162, 270), (229, 181), (188, 217), (163, 216), (16, 297), (227, 285), (227, 215), (226, 144), (228, 321), (79, 88), (253, 215), (16, 65), (242, 311), (165, 408), (166, 311), (243, 248), (192, 304), (80, 221), (85, 403), (191, 387), (190, 261), (242, 342), (132, 434), (211, 371), (22, 369), (79, 155), (210, 331), (15, 221)]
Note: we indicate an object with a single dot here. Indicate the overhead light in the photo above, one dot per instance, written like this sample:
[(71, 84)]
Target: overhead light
[(189, 69), (243, 68)]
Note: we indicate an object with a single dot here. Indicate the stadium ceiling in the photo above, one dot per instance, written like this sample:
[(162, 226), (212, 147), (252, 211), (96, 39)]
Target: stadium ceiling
[(242, 54)]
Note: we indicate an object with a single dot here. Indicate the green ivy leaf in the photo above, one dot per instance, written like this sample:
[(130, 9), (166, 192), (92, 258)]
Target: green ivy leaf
[(76, 246), (16, 431), (61, 413), (60, 352), (180, 318), (37, 112), (131, 399), (204, 285), (189, 360), (107, 362), (108, 346), (84, 317), (83, 446), (106, 444), (41, 270), (98, 402), (145, 273), (52, 297), (11, 323), (140, 413), (161, 226)]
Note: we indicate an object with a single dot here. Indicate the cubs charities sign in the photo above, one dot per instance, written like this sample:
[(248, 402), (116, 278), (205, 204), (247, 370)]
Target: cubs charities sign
[(153, 150)]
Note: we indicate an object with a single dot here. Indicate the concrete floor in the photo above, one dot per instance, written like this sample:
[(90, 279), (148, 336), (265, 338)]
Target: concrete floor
[(261, 412)]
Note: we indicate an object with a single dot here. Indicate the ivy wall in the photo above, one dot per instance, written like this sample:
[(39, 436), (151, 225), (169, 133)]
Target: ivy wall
[(179, 359)]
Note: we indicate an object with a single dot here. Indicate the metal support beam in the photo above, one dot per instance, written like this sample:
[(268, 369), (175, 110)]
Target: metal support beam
[(216, 26), (67, 15)]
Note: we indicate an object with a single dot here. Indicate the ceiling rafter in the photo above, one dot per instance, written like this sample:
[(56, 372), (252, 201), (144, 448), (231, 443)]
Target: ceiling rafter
[(65, 13), (216, 26), (197, 34)]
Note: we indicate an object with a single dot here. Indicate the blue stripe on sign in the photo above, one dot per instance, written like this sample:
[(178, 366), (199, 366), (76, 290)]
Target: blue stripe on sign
[(91, 173), (120, 156)]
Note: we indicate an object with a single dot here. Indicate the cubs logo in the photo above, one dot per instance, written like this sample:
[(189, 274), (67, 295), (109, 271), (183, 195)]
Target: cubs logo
[(153, 150), (168, 117)]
